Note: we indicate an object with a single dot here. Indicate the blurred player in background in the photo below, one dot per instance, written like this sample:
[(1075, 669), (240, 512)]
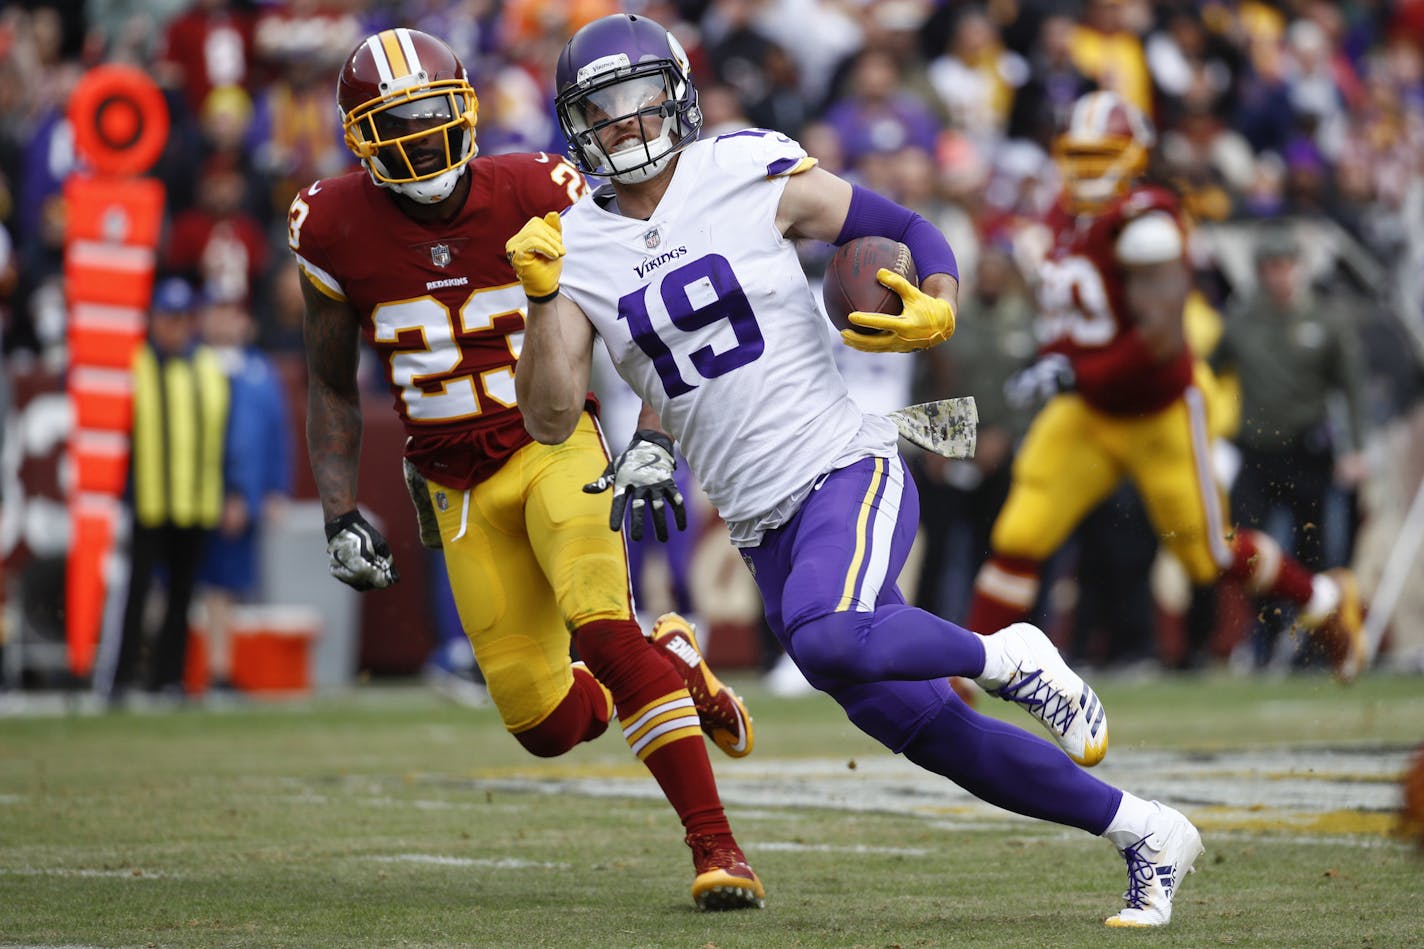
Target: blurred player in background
[(408, 254), (1126, 399), (685, 267)]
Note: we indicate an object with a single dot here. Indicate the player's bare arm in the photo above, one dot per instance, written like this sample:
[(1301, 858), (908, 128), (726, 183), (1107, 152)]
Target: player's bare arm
[(1156, 297), (552, 377), (333, 400), (813, 206), (648, 419)]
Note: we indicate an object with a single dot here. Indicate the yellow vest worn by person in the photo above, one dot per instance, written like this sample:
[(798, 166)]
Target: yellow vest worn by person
[(179, 435)]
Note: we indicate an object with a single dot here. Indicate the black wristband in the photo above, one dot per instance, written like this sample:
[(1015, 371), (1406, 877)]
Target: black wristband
[(545, 298), (658, 438), (340, 522)]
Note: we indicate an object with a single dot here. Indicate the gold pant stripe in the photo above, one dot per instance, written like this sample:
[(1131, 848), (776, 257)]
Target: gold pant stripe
[(862, 540), (1206, 478)]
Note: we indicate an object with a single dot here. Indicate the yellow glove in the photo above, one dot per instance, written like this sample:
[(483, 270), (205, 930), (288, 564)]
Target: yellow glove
[(535, 254), (925, 321)]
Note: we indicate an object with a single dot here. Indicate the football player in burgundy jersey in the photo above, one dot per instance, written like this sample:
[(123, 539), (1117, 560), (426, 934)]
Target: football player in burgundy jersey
[(684, 267), (408, 254), (1126, 399)]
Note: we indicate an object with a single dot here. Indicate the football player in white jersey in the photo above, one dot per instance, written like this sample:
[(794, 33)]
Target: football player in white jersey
[(684, 266)]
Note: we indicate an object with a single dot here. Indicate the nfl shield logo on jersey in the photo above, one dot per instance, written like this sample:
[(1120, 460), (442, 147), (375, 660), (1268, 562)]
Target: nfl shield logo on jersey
[(440, 255), (652, 239)]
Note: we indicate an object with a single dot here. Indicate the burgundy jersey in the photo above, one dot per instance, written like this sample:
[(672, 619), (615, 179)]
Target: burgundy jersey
[(437, 301), (1084, 316)]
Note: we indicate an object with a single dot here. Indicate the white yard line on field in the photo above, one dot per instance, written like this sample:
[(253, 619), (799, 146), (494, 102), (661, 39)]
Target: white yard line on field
[(499, 863), (1322, 791)]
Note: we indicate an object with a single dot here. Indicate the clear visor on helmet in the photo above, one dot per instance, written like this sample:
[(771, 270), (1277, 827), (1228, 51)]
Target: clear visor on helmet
[(622, 99), (413, 117), (415, 136), (628, 124)]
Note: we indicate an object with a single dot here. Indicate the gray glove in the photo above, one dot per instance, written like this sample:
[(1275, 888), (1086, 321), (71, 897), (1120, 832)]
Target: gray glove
[(1039, 382), (643, 472), (359, 555)]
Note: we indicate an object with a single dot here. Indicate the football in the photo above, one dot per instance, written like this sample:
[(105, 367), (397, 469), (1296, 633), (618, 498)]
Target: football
[(850, 285)]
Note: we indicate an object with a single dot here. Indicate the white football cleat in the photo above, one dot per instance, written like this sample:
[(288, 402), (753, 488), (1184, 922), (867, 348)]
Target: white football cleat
[(1021, 665), (1156, 866)]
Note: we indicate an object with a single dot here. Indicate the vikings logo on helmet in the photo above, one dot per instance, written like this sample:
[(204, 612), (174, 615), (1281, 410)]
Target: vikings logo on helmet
[(408, 112), (1102, 151), (622, 68)]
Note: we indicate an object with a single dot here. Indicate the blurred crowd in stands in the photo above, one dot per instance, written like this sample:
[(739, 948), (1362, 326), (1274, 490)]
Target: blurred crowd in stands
[(1293, 111)]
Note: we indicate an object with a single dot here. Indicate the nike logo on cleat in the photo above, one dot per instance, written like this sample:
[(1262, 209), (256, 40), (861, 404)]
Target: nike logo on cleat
[(684, 651)]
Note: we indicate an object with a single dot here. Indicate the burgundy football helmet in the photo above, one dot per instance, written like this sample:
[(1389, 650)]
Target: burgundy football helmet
[(1102, 151), (408, 112), (618, 68)]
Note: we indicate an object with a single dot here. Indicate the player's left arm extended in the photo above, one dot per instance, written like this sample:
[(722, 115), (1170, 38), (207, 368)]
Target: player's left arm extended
[(552, 375), (822, 206)]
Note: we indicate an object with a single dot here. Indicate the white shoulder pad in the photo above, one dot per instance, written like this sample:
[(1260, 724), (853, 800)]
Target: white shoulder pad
[(763, 153), (1153, 238)]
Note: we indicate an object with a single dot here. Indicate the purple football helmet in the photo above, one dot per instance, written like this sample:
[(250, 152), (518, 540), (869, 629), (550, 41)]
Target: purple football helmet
[(625, 67)]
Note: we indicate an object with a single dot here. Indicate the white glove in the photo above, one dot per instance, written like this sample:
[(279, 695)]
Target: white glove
[(359, 555), (1039, 382), (644, 472)]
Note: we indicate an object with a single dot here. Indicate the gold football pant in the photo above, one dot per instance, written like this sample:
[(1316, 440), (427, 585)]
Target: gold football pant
[(1075, 456), (530, 559)]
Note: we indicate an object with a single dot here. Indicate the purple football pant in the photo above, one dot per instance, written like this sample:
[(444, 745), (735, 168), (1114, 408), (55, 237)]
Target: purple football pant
[(827, 580)]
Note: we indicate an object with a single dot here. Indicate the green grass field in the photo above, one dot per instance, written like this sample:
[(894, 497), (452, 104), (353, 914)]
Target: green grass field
[(385, 817)]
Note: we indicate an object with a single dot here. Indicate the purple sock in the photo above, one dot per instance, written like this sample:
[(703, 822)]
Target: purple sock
[(1010, 768)]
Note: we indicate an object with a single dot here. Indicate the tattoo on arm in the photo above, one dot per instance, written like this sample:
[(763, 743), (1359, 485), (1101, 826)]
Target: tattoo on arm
[(1156, 297), (333, 400)]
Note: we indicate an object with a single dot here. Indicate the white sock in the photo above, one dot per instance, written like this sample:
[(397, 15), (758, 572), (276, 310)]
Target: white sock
[(997, 667), (1324, 598), (1132, 822)]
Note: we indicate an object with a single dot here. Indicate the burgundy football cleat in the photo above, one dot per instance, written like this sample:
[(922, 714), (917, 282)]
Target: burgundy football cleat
[(724, 718), (724, 881)]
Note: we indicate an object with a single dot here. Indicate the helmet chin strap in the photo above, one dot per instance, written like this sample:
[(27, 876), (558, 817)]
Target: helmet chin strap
[(430, 191), (433, 190), (635, 175)]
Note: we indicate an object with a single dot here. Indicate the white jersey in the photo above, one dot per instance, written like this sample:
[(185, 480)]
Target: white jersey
[(707, 314)]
